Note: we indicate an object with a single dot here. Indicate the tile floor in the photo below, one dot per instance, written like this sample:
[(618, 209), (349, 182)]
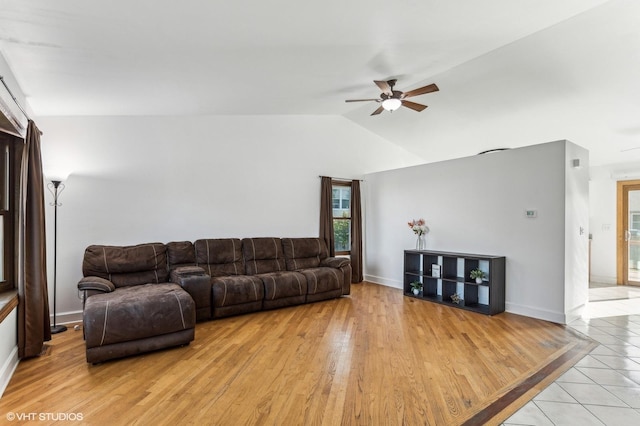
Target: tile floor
[(604, 387)]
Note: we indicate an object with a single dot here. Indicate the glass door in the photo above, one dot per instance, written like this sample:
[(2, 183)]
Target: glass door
[(632, 236), (629, 232)]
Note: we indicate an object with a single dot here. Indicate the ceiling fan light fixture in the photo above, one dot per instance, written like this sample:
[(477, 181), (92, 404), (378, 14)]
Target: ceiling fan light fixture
[(391, 104)]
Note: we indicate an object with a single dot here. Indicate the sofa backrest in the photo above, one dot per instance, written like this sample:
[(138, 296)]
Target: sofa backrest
[(180, 253), (302, 253), (127, 265), (220, 256), (262, 255)]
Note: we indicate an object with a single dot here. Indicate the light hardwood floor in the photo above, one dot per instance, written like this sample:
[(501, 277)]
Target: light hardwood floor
[(375, 357)]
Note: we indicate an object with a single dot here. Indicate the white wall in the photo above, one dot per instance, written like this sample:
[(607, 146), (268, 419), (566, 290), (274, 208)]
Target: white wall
[(477, 205), (8, 348), (142, 179), (576, 240)]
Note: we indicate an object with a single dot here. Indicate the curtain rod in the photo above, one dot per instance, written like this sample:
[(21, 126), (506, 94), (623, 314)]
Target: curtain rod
[(337, 178), (13, 97)]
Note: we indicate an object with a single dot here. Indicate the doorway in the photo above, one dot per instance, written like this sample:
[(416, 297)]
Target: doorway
[(628, 233)]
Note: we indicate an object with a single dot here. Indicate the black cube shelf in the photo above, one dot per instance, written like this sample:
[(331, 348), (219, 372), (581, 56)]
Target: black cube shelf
[(453, 277)]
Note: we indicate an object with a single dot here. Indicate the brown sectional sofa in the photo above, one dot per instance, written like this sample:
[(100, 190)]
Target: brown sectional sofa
[(256, 273), (147, 297)]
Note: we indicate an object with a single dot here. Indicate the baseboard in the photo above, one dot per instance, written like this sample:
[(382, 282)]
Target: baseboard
[(576, 313), (10, 365), (383, 281), (67, 317)]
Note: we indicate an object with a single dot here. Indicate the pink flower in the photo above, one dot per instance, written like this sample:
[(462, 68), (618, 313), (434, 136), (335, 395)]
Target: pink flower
[(418, 227)]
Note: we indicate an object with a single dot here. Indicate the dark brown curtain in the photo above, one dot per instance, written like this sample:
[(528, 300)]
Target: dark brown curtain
[(33, 309), (356, 233), (326, 214)]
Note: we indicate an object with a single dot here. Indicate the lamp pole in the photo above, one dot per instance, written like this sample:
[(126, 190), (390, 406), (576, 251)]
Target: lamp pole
[(57, 186)]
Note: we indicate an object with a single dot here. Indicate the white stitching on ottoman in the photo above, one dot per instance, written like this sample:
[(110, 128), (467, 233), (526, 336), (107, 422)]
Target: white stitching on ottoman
[(104, 326), (180, 307)]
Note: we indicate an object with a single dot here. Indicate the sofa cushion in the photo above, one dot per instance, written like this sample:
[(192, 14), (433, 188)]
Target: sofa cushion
[(236, 290), (263, 255), (127, 265), (282, 284), (321, 280), (220, 256), (302, 253), (132, 313), (180, 253)]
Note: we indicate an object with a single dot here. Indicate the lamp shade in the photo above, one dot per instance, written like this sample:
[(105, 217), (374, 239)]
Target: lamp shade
[(391, 104), (57, 175)]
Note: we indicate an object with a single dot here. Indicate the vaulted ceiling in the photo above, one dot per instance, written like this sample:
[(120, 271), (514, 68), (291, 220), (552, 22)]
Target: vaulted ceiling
[(510, 72)]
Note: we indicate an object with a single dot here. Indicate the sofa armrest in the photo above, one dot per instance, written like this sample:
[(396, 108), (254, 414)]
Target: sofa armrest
[(335, 262), (344, 265), (186, 271), (97, 284), (195, 281)]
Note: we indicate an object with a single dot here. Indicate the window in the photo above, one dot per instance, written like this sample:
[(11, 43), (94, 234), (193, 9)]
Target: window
[(634, 223), (341, 201), (7, 185)]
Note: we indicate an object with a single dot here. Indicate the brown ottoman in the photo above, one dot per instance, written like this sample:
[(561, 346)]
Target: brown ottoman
[(136, 319)]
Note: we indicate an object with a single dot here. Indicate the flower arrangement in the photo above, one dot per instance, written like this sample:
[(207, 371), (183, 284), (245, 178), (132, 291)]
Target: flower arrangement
[(418, 227)]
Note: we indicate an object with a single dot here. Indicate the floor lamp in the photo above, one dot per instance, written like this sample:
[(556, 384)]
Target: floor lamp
[(56, 187)]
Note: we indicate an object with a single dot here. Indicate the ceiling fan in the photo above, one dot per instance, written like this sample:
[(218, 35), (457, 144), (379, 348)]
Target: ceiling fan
[(391, 99)]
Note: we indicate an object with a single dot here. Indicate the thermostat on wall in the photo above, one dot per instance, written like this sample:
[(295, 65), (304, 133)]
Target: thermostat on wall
[(531, 213)]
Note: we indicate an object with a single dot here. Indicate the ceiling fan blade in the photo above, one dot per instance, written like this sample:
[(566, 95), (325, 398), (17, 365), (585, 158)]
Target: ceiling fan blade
[(362, 100), (384, 86), (420, 91), (378, 111), (414, 106)]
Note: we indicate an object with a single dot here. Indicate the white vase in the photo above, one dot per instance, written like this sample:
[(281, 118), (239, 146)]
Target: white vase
[(420, 243), (478, 280), (416, 291)]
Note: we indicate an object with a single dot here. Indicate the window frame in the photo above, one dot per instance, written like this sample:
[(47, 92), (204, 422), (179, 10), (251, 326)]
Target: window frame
[(8, 156), (345, 184)]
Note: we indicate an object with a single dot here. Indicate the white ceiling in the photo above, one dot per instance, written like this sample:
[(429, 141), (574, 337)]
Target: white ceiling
[(510, 72)]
